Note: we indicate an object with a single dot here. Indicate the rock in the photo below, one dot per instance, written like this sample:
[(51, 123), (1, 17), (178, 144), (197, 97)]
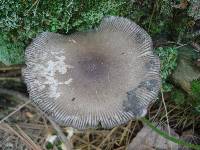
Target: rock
[(190, 137), (185, 72), (147, 139), (194, 9)]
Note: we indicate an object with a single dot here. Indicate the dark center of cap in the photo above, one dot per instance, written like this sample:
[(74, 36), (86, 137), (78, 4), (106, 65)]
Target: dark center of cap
[(93, 66)]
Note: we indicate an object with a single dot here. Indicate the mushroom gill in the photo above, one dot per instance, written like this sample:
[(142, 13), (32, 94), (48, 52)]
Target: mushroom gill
[(106, 76)]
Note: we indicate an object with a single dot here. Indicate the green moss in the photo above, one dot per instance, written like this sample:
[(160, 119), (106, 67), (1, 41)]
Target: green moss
[(20, 21), (194, 9), (195, 92), (178, 97), (193, 100), (168, 59), (90, 13), (11, 53), (49, 146), (196, 88)]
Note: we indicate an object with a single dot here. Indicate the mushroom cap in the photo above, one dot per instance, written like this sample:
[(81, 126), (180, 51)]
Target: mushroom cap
[(105, 76)]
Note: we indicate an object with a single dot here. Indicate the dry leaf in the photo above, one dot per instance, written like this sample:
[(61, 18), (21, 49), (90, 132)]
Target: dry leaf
[(29, 115), (183, 4)]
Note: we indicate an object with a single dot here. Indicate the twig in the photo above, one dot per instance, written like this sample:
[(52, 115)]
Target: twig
[(11, 68), (15, 73), (132, 131), (27, 101), (126, 131), (35, 3), (166, 113), (36, 7), (151, 17), (181, 46), (17, 95), (121, 148), (196, 46), (158, 111), (11, 130), (25, 136), (178, 43), (33, 126), (12, 113), (107, 137), (16, 79), (83, 141)]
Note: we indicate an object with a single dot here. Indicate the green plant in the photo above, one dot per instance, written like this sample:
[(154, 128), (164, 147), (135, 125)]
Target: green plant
[(194, 9), (166, 8), (20, 21), (195, 92), (192, 99), (11, 53), (49, 146), (168, 59), (178, 97), (90, 13)]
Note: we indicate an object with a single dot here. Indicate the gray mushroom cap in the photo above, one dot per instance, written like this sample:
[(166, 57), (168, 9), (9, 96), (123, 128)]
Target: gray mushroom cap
[(105, 77)]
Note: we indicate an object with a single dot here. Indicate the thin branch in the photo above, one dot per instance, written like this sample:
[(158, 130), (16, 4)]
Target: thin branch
[(26, 141), (15, 79), (12, 113), (25, 136), (163, 100), (196, 46), (8, 68), (152, 15), (27, 101), (107, 137)]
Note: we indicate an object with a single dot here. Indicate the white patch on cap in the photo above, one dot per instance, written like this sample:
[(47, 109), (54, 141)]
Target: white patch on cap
[(51, 138), (48, 73), (73, 41)]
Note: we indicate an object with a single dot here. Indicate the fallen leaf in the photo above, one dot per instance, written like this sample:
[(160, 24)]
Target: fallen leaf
[(183, 4), (29, 115)]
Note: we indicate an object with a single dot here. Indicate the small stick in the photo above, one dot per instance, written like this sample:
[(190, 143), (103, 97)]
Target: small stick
[(27, 101), (25, 136), (196, 46), (107, 137), (17, 67), (16, 79), (10, 129), (163, 100), (12, 113)]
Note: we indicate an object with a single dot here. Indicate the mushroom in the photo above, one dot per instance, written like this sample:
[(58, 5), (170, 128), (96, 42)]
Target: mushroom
[(102, 77)]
